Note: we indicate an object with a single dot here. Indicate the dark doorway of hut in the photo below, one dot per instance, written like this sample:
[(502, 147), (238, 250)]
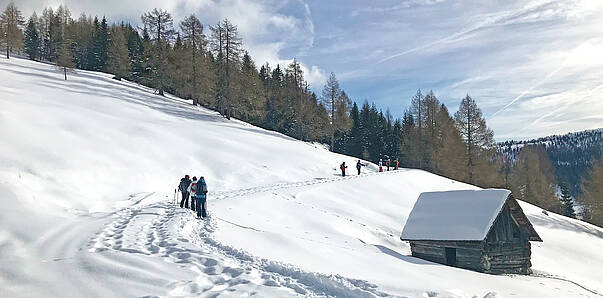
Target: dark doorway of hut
[(451, 256)]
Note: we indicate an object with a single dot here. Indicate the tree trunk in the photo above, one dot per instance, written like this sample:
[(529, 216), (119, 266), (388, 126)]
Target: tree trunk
[(194, 69), (332, 121)]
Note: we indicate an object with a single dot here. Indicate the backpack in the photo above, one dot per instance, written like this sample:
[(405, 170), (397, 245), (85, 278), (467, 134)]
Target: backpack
[(203, 188), (183, 185), (194, 187)]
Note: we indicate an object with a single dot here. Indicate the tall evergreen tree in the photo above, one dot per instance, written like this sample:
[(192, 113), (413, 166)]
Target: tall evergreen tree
[(119, 58), (65, 58), (192, 32), (226, 45), (330, 92), (567, 203), (477, 136), (160, 25), (135, 52), (101, 46), (251, 99), (532, 178), (32, 42), (592, 197), (11, 21)]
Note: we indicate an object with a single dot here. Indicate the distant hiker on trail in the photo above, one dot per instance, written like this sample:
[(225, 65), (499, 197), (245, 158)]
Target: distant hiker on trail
[(358, 166), (184, 189), (387, 163), (380, 165), (201, 197), (192, 189), (397, 163), (343, 167)]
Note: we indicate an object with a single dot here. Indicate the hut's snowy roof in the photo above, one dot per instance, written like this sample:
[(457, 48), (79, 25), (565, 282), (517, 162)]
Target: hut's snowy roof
[(454, 215)]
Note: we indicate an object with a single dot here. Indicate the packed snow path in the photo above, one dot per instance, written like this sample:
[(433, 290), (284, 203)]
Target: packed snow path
[(164, 230), (174, 234)]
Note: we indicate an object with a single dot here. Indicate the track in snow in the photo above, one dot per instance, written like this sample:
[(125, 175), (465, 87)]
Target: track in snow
[(174, 234)]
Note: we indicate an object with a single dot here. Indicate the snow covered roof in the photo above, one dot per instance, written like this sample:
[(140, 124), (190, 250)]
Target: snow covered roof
[(454, 215)]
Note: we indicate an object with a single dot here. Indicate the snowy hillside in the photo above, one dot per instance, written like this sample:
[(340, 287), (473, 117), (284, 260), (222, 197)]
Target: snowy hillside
[(88, 169)]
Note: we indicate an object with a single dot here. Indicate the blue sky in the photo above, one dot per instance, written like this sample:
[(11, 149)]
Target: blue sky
[(535, 67)]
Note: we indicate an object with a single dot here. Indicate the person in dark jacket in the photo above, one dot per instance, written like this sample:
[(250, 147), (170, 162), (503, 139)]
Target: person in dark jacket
[(358, 166), (343, 167), (184, 190), (201, 197), (192, 189)]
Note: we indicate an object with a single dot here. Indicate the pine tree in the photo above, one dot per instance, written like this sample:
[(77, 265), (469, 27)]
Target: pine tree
[(159, 23), (226, 45), (11, 22), (192, 30), (475, 133), (449, 146), (119, 58), (417, 110), (251, 99), (532, 178), (46, 23), (136, 52), (592, 197), (353, 145), (567, 204), (32, 38), (92, 56), (330, 92), (101, 46), (65, 59)]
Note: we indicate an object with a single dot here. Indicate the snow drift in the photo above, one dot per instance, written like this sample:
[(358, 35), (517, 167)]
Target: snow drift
[(88, 169)]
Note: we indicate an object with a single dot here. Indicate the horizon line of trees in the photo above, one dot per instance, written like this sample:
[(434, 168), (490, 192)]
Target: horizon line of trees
[(214, 70)]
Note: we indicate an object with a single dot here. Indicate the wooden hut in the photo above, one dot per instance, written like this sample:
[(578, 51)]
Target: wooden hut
[(482, 230)]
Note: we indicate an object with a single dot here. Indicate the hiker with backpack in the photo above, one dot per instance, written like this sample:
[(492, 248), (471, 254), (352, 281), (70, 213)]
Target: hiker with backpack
[(343, 167), (201, 197), (184, 190), (192, 189)]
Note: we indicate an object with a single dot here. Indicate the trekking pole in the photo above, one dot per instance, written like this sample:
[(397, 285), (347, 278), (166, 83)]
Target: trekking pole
[(175, 196)]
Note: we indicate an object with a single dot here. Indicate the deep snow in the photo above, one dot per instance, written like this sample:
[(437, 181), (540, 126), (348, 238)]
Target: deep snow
[(88, 168)]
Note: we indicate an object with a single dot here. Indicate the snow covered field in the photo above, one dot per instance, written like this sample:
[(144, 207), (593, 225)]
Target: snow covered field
[(88, 169)]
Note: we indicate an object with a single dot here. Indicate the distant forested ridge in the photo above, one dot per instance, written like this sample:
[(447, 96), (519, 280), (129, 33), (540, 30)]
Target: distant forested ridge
[(572, 155)]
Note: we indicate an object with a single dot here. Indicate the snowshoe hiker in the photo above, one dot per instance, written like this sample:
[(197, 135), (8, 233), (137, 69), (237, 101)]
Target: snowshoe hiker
[(192, 189), (397, 163), (183, 187), (358, 166), (380, 165), (387, 163), (201, 197), (343, 167)]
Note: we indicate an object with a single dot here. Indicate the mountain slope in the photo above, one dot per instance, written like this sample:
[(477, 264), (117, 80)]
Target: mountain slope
[(572, 155), (88, 168)]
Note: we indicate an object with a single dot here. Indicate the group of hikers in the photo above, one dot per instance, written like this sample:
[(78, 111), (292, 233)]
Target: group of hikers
[(197, 190), (388, 163), (359, 165)]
